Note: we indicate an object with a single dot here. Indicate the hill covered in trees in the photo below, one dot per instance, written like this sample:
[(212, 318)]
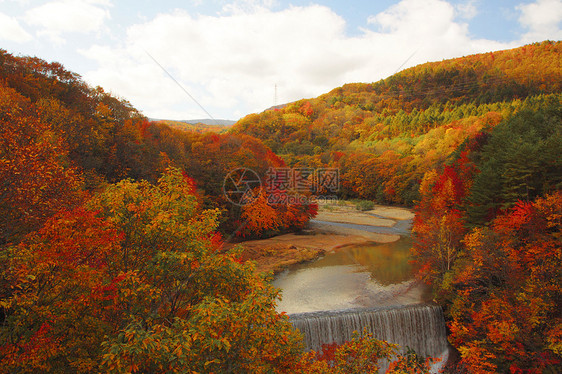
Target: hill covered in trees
[(384, 136), (489, 240), (198, 126)]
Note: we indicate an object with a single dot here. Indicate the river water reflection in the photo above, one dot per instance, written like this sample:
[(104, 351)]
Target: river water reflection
[(357, 276)]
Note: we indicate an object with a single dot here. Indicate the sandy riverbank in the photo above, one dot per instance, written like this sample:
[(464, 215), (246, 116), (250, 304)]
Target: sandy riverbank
[(381, 216), (277, 253), (354, 217)]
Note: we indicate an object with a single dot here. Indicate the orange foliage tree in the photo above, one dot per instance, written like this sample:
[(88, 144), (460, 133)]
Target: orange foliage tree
[(363, 354), (61, 301), (273, 212), (36, 176)]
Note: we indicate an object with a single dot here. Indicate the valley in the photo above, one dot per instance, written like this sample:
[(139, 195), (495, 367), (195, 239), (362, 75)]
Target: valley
[(122, 249)]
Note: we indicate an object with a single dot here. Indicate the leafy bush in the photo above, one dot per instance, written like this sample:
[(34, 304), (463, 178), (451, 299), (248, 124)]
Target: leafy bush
[(364, 205)]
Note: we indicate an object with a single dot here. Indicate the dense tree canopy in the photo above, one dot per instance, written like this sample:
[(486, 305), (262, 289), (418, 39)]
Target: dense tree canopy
[(36, 176), (93, 138), (142, 277)]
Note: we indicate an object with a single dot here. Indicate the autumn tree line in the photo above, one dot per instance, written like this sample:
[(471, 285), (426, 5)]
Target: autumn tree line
[(61, 135), (489, 241)]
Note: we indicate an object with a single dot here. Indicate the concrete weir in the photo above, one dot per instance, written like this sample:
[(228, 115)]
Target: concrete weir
[(420, 327)]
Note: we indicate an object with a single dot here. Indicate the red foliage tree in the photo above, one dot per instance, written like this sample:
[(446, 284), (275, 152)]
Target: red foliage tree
[(506, 316)]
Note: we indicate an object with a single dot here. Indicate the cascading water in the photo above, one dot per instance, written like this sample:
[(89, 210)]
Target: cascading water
[(364, 287), (420, 327)]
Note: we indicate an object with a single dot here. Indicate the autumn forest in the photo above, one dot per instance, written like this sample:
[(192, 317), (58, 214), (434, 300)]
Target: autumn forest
[(114, 228)]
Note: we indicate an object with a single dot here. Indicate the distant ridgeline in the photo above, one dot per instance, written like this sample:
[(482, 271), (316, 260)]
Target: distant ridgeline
[(199, 125), (384, 136), (211, 121)]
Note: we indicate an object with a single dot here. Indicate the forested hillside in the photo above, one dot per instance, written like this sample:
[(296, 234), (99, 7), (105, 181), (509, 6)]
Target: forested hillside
[(59, 135), (194, 126), (385, 135), (489, 240)]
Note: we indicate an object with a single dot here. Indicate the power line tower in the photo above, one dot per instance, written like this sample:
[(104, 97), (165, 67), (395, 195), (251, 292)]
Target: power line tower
[(275, 96)]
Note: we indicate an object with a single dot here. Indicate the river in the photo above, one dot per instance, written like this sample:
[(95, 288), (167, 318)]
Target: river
[(356, 276)]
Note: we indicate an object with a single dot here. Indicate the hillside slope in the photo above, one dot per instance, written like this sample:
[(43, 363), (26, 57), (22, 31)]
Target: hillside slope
[(195, 126), (385, 135)]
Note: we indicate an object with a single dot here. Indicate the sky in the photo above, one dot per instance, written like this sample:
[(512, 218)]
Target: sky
[(222, 59)]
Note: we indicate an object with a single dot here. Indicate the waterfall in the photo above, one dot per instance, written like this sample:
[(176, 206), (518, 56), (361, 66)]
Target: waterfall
[(420, 327)]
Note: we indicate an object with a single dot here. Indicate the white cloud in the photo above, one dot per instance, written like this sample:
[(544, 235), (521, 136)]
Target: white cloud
[(241, 6), (543, 20), (20, 2), (63, 16), (467, 10), (414, 15), (428, 26), (231, 62), (11, 30)]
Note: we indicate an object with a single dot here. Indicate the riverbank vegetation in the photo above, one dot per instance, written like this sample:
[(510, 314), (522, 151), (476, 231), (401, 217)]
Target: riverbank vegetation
[(111, 226), (279, 252)]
